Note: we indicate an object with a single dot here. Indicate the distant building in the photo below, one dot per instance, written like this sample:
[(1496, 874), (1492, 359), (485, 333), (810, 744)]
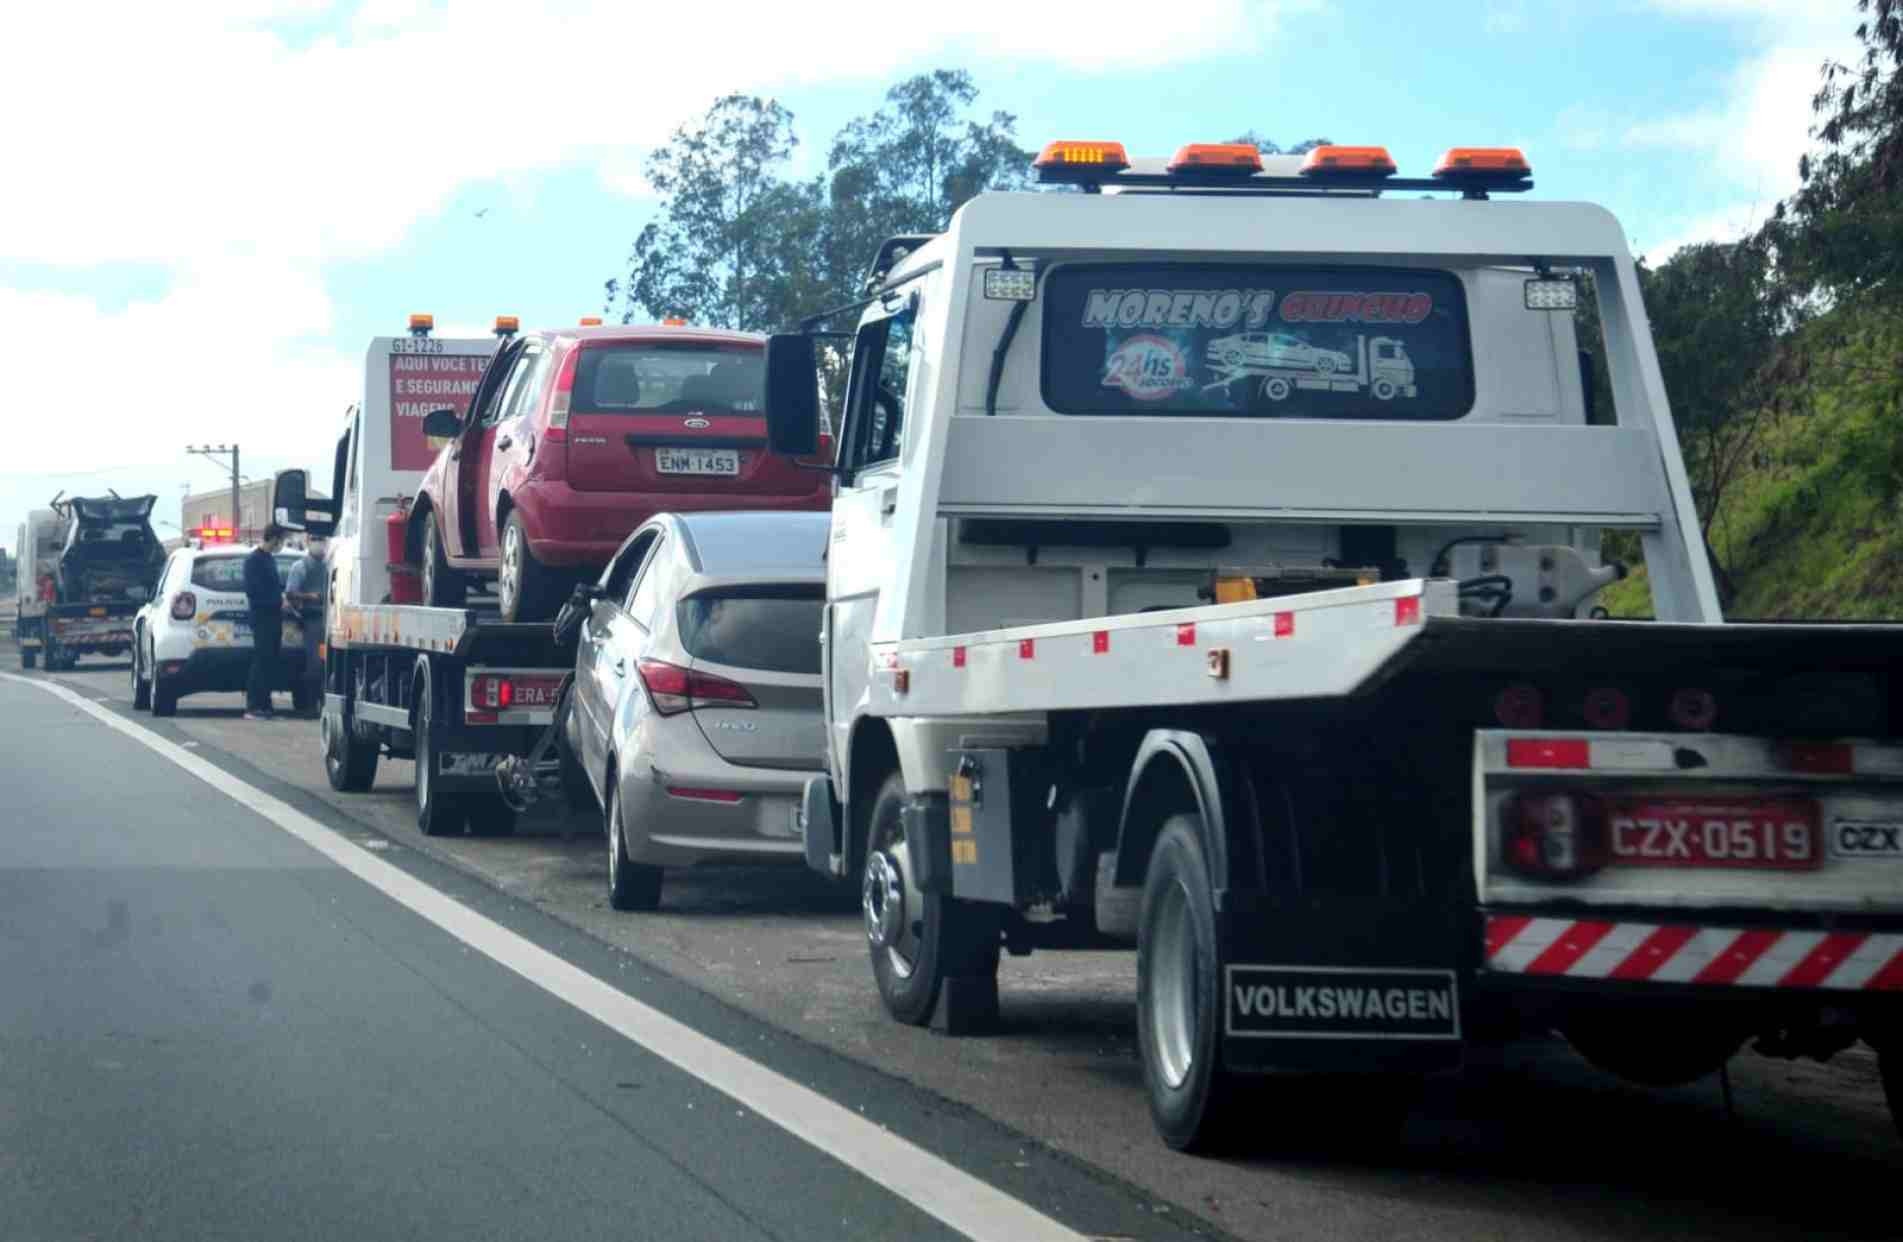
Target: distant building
[(212, 510)]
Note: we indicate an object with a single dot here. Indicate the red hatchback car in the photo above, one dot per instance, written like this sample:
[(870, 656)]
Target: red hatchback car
[(574, 438)]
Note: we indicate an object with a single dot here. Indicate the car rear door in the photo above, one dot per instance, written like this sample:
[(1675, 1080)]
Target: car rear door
[(597, 684), (765, 639), (675, 418)]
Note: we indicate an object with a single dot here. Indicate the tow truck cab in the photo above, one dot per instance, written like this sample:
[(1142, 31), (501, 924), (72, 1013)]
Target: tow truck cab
[(1292, 674)]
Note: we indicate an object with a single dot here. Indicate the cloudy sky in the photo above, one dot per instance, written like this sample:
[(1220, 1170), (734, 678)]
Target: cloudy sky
[(212, 206)]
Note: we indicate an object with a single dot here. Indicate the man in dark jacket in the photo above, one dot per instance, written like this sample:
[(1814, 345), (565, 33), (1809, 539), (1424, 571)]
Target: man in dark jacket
[(264, 595)]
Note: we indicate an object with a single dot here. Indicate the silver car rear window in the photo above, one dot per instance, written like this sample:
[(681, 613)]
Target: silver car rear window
[(771, 628)]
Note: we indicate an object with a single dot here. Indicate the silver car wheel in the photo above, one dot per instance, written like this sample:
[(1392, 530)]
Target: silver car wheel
[(509, 585), (1172, 984), (614, 839)]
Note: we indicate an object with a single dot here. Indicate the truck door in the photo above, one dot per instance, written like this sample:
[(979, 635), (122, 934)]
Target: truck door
[(469, 455), (877, 396)]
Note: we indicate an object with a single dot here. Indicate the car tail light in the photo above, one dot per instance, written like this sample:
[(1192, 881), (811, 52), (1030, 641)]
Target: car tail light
[(562, 400), (494, 693), (184, 604), (1693, 709), (1554, 836), (704, 795), (1520, 707), (675, 689), (1607, 708), (1818, 758)]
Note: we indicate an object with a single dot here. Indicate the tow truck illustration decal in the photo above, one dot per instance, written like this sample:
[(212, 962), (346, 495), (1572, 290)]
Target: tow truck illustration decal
[(1283, 363)]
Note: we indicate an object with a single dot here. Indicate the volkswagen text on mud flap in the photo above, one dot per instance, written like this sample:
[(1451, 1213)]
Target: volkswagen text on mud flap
[(1319, 1002)]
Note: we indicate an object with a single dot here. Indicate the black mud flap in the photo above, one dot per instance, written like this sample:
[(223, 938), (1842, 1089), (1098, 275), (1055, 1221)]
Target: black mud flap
[(1350, 984)]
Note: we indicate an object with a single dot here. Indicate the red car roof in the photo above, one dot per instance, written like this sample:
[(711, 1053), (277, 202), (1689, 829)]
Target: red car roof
[(654, 334)]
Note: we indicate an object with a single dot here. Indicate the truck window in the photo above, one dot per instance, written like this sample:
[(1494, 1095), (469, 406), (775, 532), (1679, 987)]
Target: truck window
[(633, 378), (771, 628), (1256, 341), (882, 367)]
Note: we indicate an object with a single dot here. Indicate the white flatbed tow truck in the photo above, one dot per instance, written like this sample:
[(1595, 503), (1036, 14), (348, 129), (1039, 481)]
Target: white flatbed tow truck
[(1093, 676)]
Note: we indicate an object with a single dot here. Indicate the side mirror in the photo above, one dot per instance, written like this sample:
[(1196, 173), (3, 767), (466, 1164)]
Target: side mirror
[(291, 504), (792, 395), (442, 424)]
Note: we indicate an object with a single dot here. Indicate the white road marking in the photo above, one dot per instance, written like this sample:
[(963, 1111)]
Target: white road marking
[(942, 1190)]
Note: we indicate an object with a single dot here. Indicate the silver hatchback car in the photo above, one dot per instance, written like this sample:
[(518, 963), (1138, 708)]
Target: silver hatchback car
[(697, 712)]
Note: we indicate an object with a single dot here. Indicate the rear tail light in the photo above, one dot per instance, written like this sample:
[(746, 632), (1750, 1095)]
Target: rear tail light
[(1607, 708), (704, 795), (494, 693), (1520, 707), (1554, 836), (562, 400), (1549, 752), (1693, 709), (675, 689), (1818, 758), (184, 604)]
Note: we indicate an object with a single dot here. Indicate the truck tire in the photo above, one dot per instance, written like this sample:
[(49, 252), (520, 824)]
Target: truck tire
[(917, 940), (1652, 1050), (438, 814), (443, 587), (631, 885), (1890, 1066), (526, 589), (1179, 994), (28, 658), (141, 684), (349, 764)]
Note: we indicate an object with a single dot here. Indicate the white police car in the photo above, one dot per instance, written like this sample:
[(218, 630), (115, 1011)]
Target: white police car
[(195, 634)]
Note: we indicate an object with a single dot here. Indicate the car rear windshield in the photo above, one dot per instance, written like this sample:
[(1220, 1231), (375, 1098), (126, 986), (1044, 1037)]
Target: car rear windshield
[(771, 628), (1256, 341), (669, 379), (226, 573)]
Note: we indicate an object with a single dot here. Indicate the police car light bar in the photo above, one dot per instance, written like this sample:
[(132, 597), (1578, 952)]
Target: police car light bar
[(1362, 161), (1236, 157)]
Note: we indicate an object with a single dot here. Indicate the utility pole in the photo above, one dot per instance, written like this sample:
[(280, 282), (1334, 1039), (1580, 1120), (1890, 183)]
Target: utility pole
[(212, 452)]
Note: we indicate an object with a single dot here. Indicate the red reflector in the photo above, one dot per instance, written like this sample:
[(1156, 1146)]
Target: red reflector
[(1820, 758), (902, 681), (1027, 648), (1520, 707), (958, 657), (1607, 708), (704, 795), (1407, 610), (1186, 634), (1693, 709), (1099, 642), (1285, 625), (1548, 752), (474, 717)]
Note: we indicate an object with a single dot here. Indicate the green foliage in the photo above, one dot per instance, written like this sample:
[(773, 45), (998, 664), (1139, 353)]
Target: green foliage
[(1269, 148), (737, 244)]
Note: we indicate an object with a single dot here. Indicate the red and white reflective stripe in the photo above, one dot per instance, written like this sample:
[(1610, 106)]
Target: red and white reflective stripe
[(1653, 754), (1755, 957)]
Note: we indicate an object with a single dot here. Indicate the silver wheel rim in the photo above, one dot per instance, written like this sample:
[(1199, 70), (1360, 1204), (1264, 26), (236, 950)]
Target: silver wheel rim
[(894, 907), (1172, 987), (425, 762), (328, 736), (511, 582), (614, 841), (429, 564)]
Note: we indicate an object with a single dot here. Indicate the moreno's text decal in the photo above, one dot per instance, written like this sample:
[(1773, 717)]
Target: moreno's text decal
[(1303, 1002), (1177, 308)]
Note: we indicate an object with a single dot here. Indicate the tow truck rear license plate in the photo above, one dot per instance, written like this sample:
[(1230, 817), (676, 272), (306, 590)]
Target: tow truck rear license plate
[(1739, 833), (537, 691), (697, 461)]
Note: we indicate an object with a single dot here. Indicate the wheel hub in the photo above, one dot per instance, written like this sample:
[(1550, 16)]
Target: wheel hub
[(884, 900)]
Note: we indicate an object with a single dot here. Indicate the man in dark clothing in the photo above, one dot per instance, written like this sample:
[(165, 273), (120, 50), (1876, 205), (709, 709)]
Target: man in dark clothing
[(264, 595)]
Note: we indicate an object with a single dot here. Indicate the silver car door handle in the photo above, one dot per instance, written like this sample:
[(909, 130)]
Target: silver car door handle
[(621, 668), (503, 442)]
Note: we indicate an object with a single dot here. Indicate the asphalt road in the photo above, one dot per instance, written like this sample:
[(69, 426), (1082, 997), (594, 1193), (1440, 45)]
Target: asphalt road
[(1537, 1145), (209, 1029)]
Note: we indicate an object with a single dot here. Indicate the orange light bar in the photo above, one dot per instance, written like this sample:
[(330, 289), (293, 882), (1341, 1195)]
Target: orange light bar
[(507, 323), (1236, 157), (1370, 161), (1107, 156), (1486, 161), (591, 321), (673, 321), (422, 322)]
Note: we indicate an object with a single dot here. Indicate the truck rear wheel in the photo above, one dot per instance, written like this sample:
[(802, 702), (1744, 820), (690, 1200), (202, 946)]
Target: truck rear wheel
[(1661, 1050), (917, 939), (1179, 974), (438, 813), (349, 764), (28, 658), (1890, 1065)]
